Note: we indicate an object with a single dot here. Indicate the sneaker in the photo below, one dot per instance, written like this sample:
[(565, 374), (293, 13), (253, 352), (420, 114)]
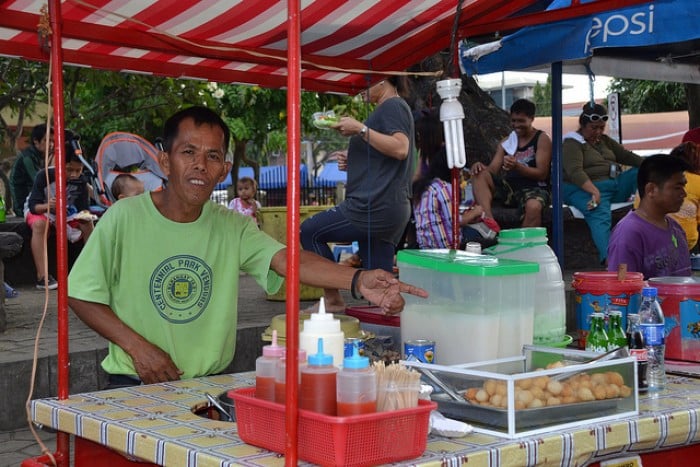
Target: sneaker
[(492, 224), (52, 284), (9, 291), (483, 230)]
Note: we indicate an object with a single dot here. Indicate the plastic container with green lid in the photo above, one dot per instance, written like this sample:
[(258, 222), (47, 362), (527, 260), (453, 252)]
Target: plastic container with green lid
[(531, 244), (480, 307)]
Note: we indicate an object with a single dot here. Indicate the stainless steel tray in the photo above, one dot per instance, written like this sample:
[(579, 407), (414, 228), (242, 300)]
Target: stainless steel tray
[(524, 418)]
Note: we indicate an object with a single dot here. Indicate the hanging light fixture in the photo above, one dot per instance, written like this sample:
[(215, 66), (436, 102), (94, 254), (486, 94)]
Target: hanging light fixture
[(452, 116)]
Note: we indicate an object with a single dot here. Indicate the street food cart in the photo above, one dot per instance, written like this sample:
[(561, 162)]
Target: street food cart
[(327, 46)]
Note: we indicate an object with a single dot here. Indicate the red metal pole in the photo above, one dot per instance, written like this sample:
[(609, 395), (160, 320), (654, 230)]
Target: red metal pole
[(455, 207), (62, 438), (293, 245), (456, 192)]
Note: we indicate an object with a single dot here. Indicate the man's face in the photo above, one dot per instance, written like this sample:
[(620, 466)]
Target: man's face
[(671, 194), (196, 162), (73, 170), (40, 145), (521, 123)]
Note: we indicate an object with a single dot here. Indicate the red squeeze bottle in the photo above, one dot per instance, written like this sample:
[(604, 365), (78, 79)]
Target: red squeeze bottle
[(317, 389), (281, 376), (356, 386), (265, 369)]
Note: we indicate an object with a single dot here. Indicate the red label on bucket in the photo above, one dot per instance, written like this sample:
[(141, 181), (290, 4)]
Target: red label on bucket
[(602, 291)]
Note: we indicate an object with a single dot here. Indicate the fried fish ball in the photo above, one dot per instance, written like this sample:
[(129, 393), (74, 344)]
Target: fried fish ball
[(482, 396), (568, 399), (524, 383), (554, 387), (524, 396), (553, 401), (541, 382), (536, 403), (566, 390), (625, 391), (585, 394), (497, 400), (519, 405), (600, 392), (612, 391), (501, 388), (470, 394), (490, 386), (558, 364), (537, 393), (598, 378), (613, 377)]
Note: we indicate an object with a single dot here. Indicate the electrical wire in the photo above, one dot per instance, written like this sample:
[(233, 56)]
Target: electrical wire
[(45, 259)]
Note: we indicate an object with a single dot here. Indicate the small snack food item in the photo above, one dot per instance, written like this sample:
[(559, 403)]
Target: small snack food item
[(325, 120)]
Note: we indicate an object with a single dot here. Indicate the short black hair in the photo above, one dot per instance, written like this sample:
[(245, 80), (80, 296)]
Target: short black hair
[(120, 183), (200, 115), (523, 106), (658, 169), (38, 133)]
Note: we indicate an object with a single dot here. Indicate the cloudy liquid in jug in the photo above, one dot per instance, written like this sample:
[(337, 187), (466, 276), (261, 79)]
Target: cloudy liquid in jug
[(462, 336)]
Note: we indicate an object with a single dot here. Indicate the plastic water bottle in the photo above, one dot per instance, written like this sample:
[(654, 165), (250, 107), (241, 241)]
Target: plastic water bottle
[(2, 209), (651, 323)]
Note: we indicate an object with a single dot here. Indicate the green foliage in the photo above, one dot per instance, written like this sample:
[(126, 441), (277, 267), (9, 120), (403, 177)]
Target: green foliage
[(99, 102), (22, 86), (542, 97), (640, 96)]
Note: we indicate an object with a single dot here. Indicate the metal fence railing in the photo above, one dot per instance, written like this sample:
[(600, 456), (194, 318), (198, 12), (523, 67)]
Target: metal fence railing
[(309, 196)]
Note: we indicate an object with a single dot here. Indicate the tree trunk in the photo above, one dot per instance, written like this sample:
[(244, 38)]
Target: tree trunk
[(692, 92), (485, 124)]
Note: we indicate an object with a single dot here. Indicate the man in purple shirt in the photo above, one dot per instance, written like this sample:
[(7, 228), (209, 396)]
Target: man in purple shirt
[(646, 239)]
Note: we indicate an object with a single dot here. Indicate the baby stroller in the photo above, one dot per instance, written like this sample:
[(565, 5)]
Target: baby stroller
[(120, 153)]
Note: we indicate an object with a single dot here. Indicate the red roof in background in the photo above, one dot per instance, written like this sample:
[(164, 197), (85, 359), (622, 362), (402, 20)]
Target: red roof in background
[(245, 41), (655, 131)]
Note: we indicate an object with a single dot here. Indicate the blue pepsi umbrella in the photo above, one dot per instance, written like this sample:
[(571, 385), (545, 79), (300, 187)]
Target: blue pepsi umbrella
[(331, 175), (624, 35)]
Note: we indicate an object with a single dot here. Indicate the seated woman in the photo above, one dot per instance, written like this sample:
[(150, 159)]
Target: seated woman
[(593, 178), (432, 195), (689, 214)]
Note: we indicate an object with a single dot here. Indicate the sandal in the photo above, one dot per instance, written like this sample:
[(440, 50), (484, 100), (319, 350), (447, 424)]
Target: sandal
[(10, 292)]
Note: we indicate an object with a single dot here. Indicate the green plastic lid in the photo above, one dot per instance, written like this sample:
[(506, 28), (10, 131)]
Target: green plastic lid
[(461, 262), (522, 233)]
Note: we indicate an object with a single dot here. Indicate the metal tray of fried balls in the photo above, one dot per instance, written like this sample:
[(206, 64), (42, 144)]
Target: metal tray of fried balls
[(539, 401)]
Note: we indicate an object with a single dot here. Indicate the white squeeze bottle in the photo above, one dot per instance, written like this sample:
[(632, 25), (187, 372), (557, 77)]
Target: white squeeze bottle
[(325, 326), (265, 367)]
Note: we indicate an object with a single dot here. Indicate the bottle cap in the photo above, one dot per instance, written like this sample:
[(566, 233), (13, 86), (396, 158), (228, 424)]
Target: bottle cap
[(320, 358), (273, 350), (649, 292), (355, 361), (322, 321), (615, 313)]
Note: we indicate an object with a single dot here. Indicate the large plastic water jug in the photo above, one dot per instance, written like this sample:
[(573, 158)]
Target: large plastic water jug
[(480, 307), (530, 244)]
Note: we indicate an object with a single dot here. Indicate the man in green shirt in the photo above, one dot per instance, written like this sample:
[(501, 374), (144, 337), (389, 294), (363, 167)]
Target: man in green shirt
[(159, 276), (28, 163)]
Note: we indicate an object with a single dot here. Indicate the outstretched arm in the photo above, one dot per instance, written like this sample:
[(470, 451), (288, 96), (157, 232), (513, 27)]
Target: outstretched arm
[(378, 286), (152, 364)]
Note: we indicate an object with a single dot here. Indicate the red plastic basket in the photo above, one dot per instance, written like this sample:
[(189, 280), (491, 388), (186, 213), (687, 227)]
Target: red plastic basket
[(370, 439)]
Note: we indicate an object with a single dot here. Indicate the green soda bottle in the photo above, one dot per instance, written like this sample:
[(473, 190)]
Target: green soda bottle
[(597, 340), (2, 209), (616, 335)]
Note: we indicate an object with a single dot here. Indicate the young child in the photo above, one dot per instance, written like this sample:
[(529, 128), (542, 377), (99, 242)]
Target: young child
[(126, 185), (40, 208), (246, 203)]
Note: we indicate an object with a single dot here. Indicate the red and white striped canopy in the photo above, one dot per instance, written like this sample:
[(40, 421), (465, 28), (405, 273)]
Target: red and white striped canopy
[(344, 44)]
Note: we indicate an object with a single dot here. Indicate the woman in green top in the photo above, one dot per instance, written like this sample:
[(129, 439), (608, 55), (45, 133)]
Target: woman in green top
[(593, 176)]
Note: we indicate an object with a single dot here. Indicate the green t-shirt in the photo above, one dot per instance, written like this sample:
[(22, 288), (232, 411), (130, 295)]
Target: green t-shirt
[(176, 284)]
